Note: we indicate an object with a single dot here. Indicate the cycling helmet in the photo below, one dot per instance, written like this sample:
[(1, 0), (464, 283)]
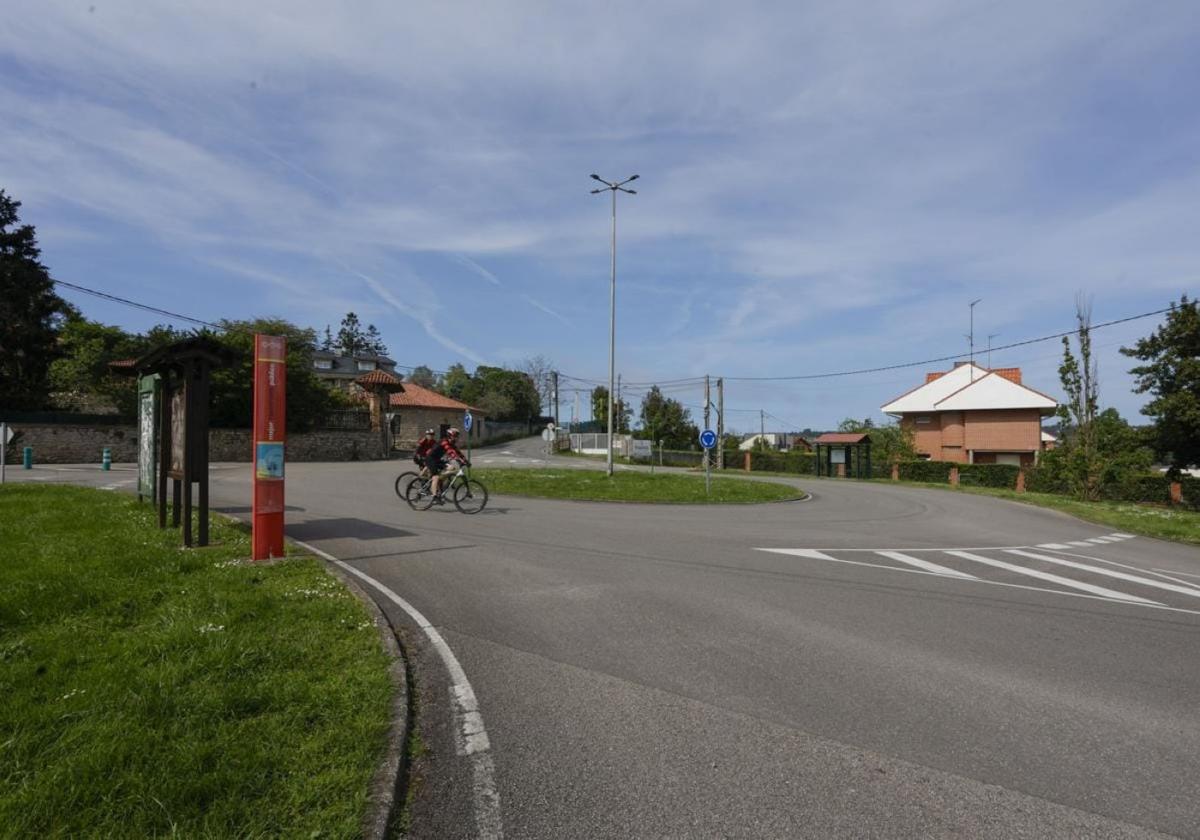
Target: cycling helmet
[(452, 432), (429, 431)]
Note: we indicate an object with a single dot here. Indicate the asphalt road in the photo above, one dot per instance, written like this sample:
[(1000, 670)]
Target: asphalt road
[(901, 663)]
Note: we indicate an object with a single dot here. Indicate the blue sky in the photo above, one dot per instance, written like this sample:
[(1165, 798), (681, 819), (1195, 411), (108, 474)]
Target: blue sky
[(823, 186)]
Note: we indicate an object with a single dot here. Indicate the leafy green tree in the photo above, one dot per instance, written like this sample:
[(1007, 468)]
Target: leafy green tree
[(1081, 458), (31, 314), (308, 398), (82, 379), (668, 420), (455, 382), (889, 442), (423, 376), (512, 392), (1172, 375), (622, 412)]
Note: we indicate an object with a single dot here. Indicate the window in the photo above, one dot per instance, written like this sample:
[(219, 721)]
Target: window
[(323, 364), (924, 419), (366, 365)]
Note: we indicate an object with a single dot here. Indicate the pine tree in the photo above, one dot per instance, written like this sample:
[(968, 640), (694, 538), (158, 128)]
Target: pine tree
[(31, 314)]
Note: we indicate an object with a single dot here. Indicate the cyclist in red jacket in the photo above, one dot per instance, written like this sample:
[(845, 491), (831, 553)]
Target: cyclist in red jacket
[(421, 454), (443, 459)]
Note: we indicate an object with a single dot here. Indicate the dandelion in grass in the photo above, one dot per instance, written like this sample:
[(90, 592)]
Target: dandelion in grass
[(211, 628)]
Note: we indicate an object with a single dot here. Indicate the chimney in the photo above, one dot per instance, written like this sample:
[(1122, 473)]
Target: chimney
[(1011, 374), (929, 377)]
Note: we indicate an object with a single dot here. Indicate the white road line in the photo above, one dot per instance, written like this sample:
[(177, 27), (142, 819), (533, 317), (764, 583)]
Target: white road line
[(925, 564), (1081, 544), (1099, 570), (1123, 600), (1099, 540), (1052, 545), (473, 739), (1124, 536), (1185, 574), (1061, 581)]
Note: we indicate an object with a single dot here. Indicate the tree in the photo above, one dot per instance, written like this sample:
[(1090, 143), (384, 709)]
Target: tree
[(519, 397), (667, 420), (423, 376), (540, 370), (374, 341), (351, 340), (889, 442), (1172, 375), (622, 413), (31, 314), (308, 398), (455, 382), (327, 341), (600, 404), (82, 379), (1081, 384)]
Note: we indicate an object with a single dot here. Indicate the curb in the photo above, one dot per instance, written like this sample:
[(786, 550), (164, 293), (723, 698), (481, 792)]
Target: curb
[(381, 797)]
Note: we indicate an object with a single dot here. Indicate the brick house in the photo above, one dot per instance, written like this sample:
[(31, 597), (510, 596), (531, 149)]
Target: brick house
[(419, 408), (974, 416)]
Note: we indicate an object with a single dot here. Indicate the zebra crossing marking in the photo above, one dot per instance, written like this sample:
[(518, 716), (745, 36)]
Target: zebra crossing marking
[(1046, 576), (1100, 570), (925, 564)]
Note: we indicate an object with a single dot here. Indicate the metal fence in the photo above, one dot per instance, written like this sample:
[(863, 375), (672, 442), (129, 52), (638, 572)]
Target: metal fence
[(348, 420)]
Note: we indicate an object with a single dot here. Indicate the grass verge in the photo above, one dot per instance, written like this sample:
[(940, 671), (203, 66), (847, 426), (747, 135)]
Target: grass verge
[(639, 486), (1175, 524), (155, 691)]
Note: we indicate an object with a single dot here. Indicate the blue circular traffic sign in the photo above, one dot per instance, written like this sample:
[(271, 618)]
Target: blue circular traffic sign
[(467, 421), (708, 438)]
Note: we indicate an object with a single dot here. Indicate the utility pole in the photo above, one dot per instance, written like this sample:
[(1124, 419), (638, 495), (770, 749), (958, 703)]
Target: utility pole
[(620, 415), (720, 423), (554, 392), (762, 427), (971, 335), (707, 404)]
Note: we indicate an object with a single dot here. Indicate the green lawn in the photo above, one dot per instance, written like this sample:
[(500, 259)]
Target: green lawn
[(1176, 524), (630, 486), (154, 691)]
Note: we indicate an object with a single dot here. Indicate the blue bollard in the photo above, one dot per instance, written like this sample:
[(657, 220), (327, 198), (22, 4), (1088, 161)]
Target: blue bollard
[(106, 460), (28, 458)]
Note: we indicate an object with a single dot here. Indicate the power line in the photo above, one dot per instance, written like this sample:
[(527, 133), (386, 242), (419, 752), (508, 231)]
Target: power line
[(143, 306)]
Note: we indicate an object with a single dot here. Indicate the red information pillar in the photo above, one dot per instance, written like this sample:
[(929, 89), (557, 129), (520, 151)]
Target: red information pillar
[(270, 380)]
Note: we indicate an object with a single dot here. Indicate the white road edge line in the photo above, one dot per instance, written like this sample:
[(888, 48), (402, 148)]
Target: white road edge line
[(817, 555), (473, 738)]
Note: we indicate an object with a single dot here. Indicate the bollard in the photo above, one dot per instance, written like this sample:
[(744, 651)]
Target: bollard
[(28, 458), (106, 460)]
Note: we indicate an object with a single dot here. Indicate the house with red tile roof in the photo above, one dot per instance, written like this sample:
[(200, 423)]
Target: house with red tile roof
[(418, 408), (974, 416)]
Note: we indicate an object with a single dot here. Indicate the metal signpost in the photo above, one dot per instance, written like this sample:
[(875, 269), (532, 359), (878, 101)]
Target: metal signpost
[(5, 436), (270, 383), (468, 422), (708, 439)]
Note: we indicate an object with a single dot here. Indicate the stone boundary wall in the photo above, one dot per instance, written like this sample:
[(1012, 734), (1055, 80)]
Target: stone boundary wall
[(75, 444)]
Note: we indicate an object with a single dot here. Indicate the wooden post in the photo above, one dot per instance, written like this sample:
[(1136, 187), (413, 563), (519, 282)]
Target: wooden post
[(1021, 481), (1176, 493), (895, 470), (954, 476), (747, 462)]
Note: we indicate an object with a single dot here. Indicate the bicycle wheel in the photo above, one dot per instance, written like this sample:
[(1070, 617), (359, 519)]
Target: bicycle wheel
[(402, 481), (470, 496), (419, 495)]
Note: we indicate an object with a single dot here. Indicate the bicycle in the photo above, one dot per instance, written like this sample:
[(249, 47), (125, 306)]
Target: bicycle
[(468, 494), (406, 478)]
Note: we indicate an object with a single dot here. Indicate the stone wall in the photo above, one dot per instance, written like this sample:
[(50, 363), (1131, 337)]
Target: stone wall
[(77, 444)]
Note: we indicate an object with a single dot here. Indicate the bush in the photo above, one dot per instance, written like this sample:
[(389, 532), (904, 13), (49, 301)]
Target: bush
[(803, 463), (989, 475), (937, 472)]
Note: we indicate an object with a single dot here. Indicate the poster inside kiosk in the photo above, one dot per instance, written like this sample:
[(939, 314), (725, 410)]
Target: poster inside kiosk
[(270, 375)]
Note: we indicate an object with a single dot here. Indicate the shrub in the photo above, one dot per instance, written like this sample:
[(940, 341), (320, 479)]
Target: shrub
[(989, 475), (934, 471)]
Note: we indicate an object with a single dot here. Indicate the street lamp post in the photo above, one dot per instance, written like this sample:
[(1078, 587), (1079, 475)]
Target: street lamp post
[(613, 187)]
